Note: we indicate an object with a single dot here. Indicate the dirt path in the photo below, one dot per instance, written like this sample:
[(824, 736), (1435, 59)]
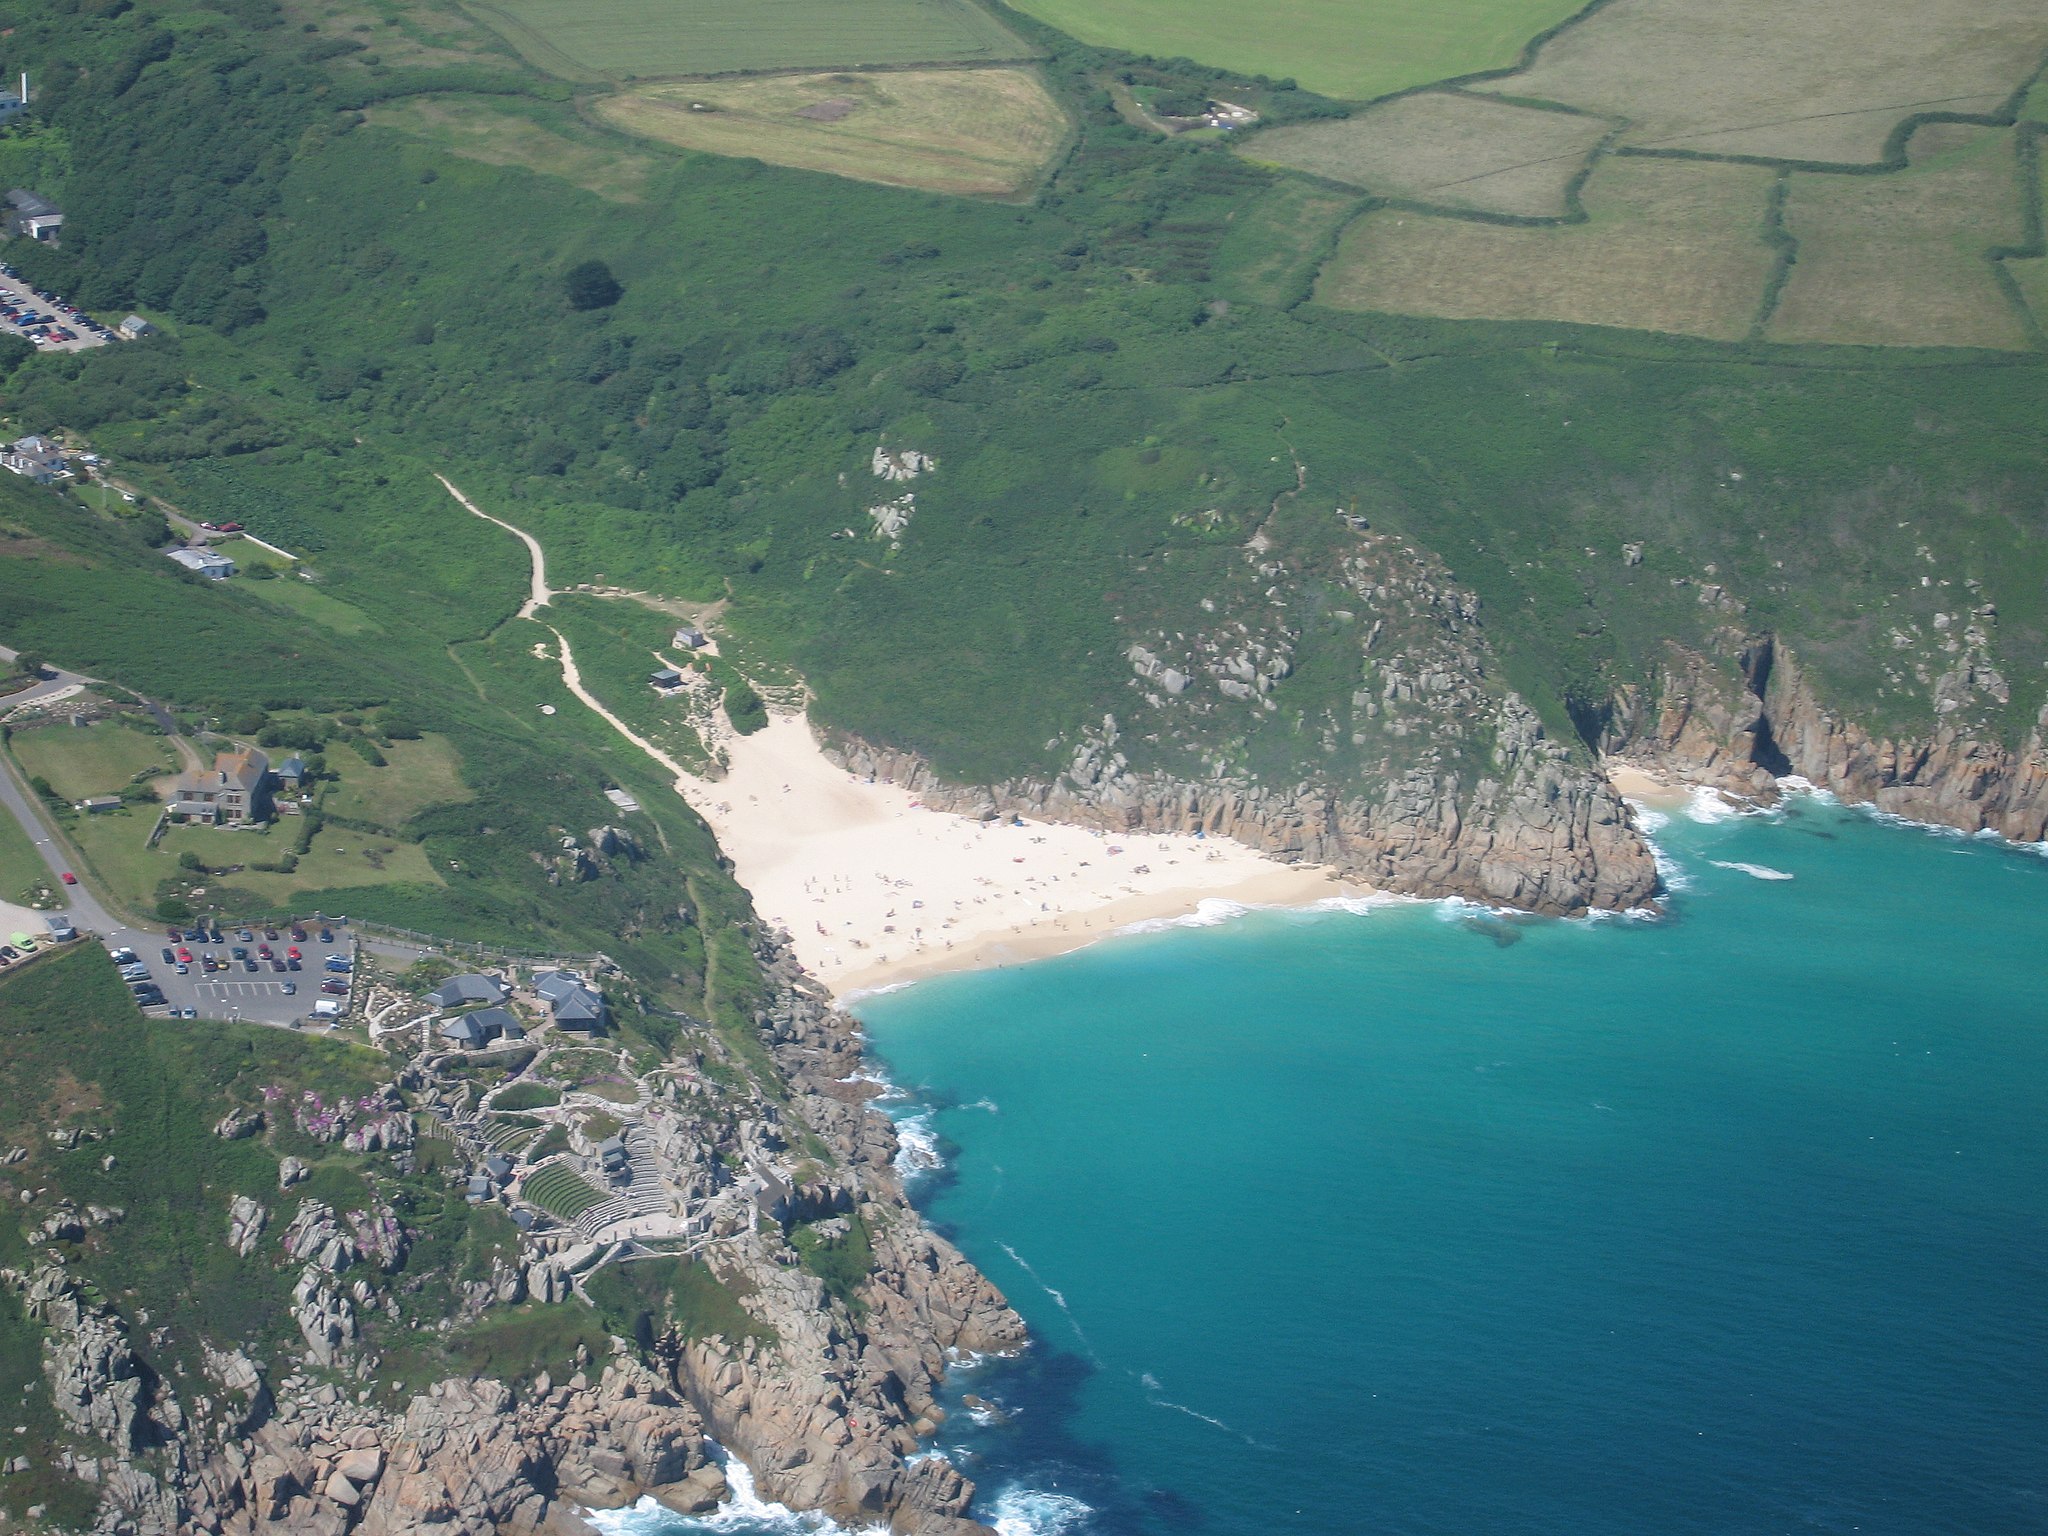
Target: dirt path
[(541, 592), (571, 677)]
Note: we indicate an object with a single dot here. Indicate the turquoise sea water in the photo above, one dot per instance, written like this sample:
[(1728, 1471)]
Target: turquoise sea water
[(1422, 1220)]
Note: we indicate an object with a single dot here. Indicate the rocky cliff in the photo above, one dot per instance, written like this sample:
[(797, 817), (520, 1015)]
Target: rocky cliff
[(1751, 714)]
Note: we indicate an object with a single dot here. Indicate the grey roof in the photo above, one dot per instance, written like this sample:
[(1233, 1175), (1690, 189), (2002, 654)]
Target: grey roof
[(493, 1022), (668, 676), (479, 1187), (293, 767), (553, 986), (610, 1148), (26, 202), (580, 1007), (469, 988), (498, 1166), (463, 1030)]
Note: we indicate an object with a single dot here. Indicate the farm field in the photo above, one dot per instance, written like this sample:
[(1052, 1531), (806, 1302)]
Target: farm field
[(1900, 260), (1447, 148), (303, 599), (1276, 242), (1350, 49), (986, 132), (503, 135), (1668, 246), (620, 40), (417, 774), (102, 759), (1825, 81)]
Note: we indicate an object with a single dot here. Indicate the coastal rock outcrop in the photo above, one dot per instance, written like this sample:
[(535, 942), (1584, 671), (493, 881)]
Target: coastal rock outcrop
[(1743, 721)]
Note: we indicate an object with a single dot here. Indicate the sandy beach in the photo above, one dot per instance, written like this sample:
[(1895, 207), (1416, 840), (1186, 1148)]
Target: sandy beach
[(875, 889)]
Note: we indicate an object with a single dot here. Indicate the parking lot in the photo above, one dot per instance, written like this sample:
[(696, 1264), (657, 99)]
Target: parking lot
[(255, 997), (39, 315)]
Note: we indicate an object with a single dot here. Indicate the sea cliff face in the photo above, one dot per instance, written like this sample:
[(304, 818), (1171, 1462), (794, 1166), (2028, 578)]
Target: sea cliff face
[(1538, 831), (1742, 722)]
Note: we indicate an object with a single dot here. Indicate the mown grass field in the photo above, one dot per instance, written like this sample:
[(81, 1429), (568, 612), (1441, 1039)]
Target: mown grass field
[(596, 40), (986, 132), (1351, 49), (305, 600), (20, 865), (1668, 246), (1900, 260), (1277, 241), (102, 759), (1821, 81), (1443, 147)]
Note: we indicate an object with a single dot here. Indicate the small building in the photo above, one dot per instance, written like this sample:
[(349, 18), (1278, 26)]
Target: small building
[(36, 457), (480, 1189), (11, 107), (459, 990), (203, 562), (34, 217), (611, 1152), (499, 1167), (291, 773), (92, 805), (463, 1033), (135, 328), (232, 793), (691, 638), (61, 931), (667, 677), (572, 1002), (553, 986)]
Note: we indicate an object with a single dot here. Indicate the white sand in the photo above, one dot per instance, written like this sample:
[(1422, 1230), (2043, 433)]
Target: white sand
[(875, 889)]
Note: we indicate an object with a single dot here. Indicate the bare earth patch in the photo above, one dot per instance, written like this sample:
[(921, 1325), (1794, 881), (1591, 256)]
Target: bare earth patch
[(1900, 260), (1447, 148), (980, 132), (1820, 80), (1668, 246)]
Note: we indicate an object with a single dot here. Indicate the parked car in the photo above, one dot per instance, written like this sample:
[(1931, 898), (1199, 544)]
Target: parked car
[(291, 989), (244, 935), (170, 958), (292, 965), (298, 934), (326, 935), (263, 951), (250, 965), (239, 952), (277, 965), (183, 969), (337, 963), (292, 952), (185, 955), (334, 988), (270, 933)]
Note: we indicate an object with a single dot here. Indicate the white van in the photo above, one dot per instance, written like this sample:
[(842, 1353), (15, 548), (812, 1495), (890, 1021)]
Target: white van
[(327, 1008)]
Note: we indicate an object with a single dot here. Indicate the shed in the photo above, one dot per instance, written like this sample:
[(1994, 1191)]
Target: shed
[(499, 1167), (666, 677), (612, 1153), (135, 327), (60, 927), (479, 1189), (468, 988), (92, 804), (691, 638), (291, 772)]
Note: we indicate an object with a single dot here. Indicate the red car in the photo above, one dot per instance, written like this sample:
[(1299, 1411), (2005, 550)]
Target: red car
[(293, 953), (230, 527), (70, 878), (185, 955)]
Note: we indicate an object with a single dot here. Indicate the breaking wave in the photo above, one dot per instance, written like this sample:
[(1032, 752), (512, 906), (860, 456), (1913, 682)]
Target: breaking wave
[(917, 1147), (745, 1513), (1754, 871), (1032, 1512)]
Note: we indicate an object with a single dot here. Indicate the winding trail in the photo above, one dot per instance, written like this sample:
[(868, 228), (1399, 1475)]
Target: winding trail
[(540, 596)]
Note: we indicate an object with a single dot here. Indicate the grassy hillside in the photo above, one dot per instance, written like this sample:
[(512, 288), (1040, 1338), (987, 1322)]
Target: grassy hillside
[(1118, 384)]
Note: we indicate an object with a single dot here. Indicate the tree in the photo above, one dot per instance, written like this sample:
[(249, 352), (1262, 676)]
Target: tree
[(590, 285), (190, 860), (30, 663)]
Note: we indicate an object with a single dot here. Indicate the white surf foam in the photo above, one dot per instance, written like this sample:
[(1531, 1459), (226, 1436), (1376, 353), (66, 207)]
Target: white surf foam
[(1754, 871), (1034, 1512), (1708, 806), (917, 1147), (745, 1510), (1649, 820)]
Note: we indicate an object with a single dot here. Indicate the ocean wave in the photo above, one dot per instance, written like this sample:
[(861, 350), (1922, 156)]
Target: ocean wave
[(1155, 1394), (1708, 806), (1034, 1512), (917, 1147), (1649, 820), (1059, 1299), (1754, 871), (1210, 912), (1214, 911), (745, 1513)]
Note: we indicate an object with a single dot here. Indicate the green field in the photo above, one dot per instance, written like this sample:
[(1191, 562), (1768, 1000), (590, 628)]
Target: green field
[(593, 40), (416, 774), (20, 865), (103, 759), (1350, 49)]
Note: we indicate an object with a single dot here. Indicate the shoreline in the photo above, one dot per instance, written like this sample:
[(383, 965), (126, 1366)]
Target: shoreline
[(874, 888)]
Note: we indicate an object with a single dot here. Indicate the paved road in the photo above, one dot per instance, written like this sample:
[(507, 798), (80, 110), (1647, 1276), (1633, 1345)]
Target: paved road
[(56, 685)]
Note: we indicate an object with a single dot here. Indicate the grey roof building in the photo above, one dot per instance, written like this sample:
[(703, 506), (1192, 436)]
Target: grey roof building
[(463, 1032), (203, 562), (35, 217), (468, 988)]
